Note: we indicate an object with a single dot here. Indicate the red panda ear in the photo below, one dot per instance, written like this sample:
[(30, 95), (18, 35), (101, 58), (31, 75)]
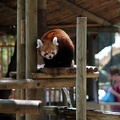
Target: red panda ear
[(55, 41), (39, 43)]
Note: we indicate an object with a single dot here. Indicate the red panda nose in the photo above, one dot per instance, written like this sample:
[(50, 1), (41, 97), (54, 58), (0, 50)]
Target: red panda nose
[(50, 57)]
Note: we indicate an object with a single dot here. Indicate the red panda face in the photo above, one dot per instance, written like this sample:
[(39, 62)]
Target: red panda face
[(48, 49)]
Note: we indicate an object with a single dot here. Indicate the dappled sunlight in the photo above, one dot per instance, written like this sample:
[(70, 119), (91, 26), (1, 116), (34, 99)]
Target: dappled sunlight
[(104, 55)]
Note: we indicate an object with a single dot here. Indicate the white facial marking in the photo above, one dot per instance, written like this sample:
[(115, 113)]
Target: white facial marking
[(42, 53), (49, 55), (55, 41), (39, 43), (55, 51)]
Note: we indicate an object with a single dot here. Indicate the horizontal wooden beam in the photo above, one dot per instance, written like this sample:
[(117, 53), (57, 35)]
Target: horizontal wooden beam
[(91, 28), (84, 12), (110, 103), (63, 26), (20, 106), (99, 115), (36, 84), (62, 76), (39, 80)]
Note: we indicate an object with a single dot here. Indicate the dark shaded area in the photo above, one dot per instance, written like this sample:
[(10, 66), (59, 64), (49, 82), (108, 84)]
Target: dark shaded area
[(7, 117), (13, 64), (4, 94)]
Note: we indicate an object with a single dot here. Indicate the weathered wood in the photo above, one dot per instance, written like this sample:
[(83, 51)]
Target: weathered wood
[(108, 106), (20, 41), (69, 70), (71, 26), (64, 76), (41, 29), (31, 54), (36, 84), (69, 114), (84, 12), (42, 75), (20, 106), (20, 48), (22, 31), (81, 70), (110, 103), (13, 74), (39, 81), (92, 72), (8, 8), (98, 115)]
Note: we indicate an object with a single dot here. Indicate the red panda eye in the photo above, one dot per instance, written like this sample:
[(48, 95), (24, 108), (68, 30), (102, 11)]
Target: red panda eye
[(53, 53), (45, 54)]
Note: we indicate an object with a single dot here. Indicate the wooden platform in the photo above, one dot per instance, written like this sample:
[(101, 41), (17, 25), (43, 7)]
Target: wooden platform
[(55, 73), (70, 113)]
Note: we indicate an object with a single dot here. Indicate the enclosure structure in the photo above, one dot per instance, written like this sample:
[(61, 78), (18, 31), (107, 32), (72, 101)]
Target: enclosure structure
[(31, 66)]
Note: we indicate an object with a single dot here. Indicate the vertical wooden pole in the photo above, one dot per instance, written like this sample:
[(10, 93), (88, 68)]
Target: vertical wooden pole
[(31, 54), (41, 29), (20, 50), (81, 68), (20, 46), (0, 56)]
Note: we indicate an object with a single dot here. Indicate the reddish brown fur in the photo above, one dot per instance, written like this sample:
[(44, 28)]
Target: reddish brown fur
[(65, 48)]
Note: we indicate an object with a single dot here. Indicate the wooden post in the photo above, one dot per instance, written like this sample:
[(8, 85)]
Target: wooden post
[(20, 47), (31, 54), (81, 71), (41, 29), (20, 50)]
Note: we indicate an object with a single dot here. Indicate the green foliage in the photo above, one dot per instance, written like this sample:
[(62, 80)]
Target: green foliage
[(7, 49)]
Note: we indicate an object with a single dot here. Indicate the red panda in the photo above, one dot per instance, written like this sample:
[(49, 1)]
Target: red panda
[(56, 48)]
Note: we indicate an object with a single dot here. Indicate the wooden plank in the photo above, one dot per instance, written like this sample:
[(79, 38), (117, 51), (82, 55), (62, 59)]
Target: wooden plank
[(91, 28), (84, 12), (91, 71), (98, 115), (67, 113), (20, 106), (40, 80), (69, 70), (56, 76), (110, 103), (63, 26)]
